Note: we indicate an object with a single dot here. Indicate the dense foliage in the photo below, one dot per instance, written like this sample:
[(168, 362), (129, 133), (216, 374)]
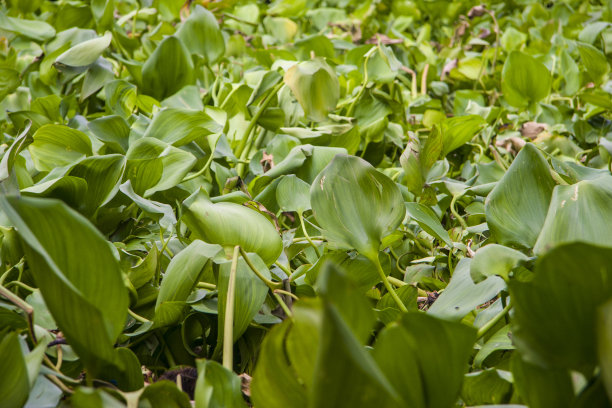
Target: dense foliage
[(305, 203)]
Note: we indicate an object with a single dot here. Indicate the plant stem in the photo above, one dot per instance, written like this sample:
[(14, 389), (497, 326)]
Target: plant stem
[(282, 267), (455, 213), (206, 285), (351, 108), (387, 284), (491, 323), (228, 322), (247, 133), (301, 216), (282, 304), (138, 317), (20, 303), (285, 292), (202, 170), (268, 282)]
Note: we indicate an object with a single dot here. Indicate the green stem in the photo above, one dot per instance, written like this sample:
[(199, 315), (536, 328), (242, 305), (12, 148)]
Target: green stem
[(351, 108), (228, 321), (387, 284), (316, 249), (202, 170), (285, 269), (138, 317), (20, 303), (455, 213), (491, 323), (22, 285), (206, 285), (282, 304), (247, 133), (268, 282)]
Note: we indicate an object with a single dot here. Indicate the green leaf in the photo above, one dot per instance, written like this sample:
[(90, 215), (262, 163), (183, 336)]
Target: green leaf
[(413, 173), (58, 145), (346, 194), (525, 80), (517, 206), (167, 70), (85, 294), (217, 387), (33, 29), (201, 35), (555, 313), (179, 127), (14, 385), (433, 356), (578, 212), (9, 81), (163, 213), (82, 55), (229, 224), (495, 260), (154, 165), (343, 366), (459, 130), (251, 293), (274, 381), (102, 174), (604, 344), (163, 394), (293, 194), (427, 219), (113, 130), (489, 386), (594, 61), (541, 387), (315, 85), (462, 295), (180, 278)]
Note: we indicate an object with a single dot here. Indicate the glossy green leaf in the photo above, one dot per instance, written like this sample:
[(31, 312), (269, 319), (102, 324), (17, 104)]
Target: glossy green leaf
[(495, 260), (201, 35), (459, 130), (541, 387), (346, 194), (154, 165), (343, 366), (578, 213), (102, 174), (293, 194), (164, 394), (229, 224), (554, 321), (58, 145), (85, 294), (604, 344), (512, 219), (274, 383), (9, 81), (434, 355), (167, 70), (157, 211), (83, 54), (525, 80), (489, 386), (462, 295), (180, 278), (594, 61), (217, 387), (14, 386), (315, 85), (33, 29), (428, 220), (179, 127)]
